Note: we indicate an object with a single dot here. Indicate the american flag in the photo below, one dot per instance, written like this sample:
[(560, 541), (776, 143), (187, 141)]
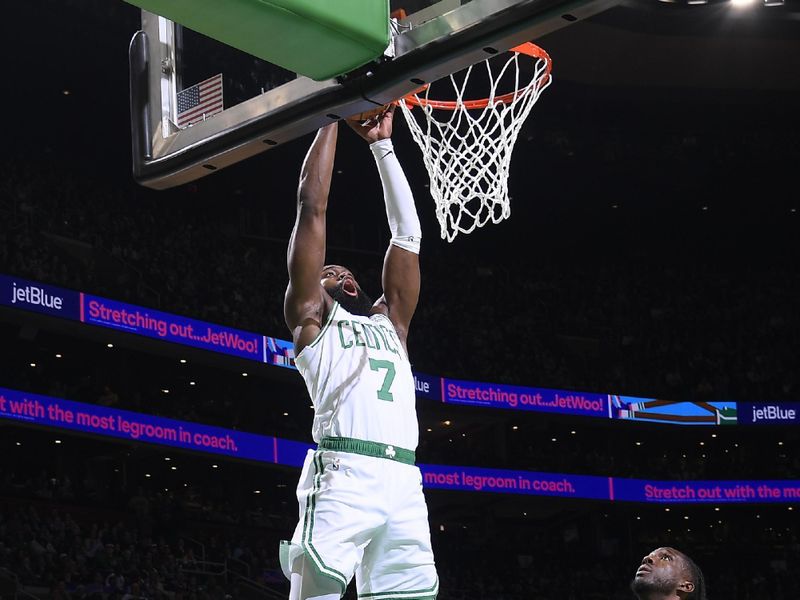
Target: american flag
[(200, 101)]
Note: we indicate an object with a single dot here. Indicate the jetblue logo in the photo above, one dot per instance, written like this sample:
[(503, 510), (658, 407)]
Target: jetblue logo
[(773, 412), (422, 386), (427, 386), (35, 296)]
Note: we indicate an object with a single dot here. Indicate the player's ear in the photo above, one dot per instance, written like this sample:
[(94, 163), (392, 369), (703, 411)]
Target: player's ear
[(686, 586)]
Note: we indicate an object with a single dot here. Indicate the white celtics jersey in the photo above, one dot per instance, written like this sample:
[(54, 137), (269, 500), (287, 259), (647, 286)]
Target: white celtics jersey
[(360, 381)]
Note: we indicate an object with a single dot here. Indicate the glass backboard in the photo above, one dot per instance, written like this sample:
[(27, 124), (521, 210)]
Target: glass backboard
[(266, 105)]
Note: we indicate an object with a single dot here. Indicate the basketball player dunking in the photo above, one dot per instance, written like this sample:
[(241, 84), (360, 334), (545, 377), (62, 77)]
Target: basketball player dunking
[(362, 509)]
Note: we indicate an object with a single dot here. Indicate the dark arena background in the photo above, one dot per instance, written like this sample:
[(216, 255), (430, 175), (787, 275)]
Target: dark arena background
[(612, 369)]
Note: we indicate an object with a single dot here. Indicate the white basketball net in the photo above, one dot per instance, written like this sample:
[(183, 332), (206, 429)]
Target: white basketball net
[(467, 151)]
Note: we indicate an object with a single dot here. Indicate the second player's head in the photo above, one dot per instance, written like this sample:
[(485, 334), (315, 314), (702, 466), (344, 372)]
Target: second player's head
[(668, 573)]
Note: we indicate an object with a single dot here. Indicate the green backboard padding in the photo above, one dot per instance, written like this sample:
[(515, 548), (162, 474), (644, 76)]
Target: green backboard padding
[(319, 39)]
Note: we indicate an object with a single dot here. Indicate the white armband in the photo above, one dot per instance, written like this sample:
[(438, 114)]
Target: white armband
[(400, 209)]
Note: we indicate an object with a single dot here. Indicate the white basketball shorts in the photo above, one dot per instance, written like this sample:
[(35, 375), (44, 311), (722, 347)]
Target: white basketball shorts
[(364, 516)]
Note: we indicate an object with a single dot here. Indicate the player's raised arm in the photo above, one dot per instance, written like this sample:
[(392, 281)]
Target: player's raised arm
[(401, 277), (305, 304)]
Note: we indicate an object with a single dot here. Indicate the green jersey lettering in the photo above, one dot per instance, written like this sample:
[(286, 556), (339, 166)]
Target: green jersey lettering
[(358, 333), (388, 379), (341, 324), (376, 331), (372, 339), (389, 335)]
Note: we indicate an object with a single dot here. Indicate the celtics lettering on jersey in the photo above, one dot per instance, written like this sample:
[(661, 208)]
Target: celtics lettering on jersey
[(355, 366), (353, 333)]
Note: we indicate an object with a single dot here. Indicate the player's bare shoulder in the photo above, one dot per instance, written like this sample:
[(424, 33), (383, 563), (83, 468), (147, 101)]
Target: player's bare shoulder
[(307, 320)]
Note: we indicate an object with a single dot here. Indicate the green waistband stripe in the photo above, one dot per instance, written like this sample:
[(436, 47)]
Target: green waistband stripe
[(375, 449)]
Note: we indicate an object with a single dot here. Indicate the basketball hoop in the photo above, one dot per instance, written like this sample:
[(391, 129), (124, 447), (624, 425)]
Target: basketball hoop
[(466, 144)]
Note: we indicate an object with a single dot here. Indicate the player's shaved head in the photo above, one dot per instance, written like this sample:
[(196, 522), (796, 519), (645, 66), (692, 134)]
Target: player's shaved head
[(667, 573)]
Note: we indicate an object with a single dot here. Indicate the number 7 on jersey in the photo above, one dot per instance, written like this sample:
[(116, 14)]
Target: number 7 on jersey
[(377, 365)]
